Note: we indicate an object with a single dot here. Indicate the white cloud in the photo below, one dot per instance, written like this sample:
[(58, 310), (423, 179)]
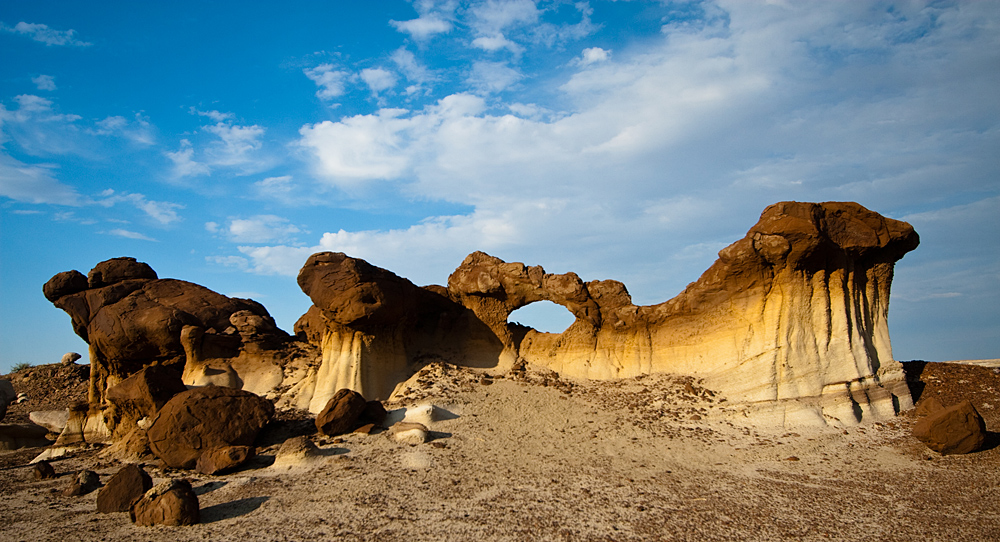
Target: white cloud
[(261, 229), (378, 79), (138, 131), (184, 163), (44, 82), (236, 146), (161, 211), (33, 183), (216, 116), (492, 77), (49, 36), (130, 235), (423, 27), (593, 55), (495, 42), (331, 82)]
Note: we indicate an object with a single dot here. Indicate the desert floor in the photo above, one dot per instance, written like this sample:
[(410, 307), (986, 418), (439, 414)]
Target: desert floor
[(533, 457)]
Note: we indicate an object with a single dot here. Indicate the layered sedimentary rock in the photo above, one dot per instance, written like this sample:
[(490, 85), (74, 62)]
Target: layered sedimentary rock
[(794, 315), (132, 319)]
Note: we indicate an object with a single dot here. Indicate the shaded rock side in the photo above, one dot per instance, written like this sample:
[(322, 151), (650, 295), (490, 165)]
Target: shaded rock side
[(792, 317), (201, 419), (140, 396), (958, 429), (173, 503), (122, 489), (224, 459)]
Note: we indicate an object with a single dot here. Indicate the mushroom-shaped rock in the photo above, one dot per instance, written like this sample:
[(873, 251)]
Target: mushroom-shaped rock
[(201, 419)]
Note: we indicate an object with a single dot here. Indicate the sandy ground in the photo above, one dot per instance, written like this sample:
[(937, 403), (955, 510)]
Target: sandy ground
[(533, 457)]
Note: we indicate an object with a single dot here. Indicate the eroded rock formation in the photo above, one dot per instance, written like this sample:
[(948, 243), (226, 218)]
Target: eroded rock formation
[(132, 319), (791, 318)]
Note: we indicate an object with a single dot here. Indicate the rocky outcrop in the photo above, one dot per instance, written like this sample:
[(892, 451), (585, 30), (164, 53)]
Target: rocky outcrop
[(201, 419), (132, 319), (792, 318)]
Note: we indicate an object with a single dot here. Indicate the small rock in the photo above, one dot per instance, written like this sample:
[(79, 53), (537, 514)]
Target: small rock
[(43, 471), (53, 420), (341, 413), (169, 503), (409, 433), (83, 483), (366, 429), (127, 485)]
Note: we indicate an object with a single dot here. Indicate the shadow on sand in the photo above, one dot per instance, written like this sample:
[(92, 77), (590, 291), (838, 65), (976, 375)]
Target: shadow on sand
[(231, 509)]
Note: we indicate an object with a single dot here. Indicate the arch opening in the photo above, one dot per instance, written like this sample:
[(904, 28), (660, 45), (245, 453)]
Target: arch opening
[(544, 316)]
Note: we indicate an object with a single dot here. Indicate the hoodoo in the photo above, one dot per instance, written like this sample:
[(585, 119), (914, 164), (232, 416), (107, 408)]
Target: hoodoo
[(790, 320)]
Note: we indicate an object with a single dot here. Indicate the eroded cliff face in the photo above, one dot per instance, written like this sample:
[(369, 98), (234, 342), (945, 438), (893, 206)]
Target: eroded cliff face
[(791, 317), (790, 320)]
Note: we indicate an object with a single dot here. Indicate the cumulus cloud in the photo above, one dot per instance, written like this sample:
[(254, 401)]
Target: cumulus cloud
[(593, 55), (331, 81), (422, 28), (44, 82), (49, 36), (378, 79)]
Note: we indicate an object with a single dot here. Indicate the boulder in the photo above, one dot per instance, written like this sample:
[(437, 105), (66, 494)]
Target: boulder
[(201, 419), (223, 459), (296, 452), (173, 503), (127, 485), (373, 414), (958, 429), (341, 413), (69, 358), (141, 395), (43, 471), (84, 482)]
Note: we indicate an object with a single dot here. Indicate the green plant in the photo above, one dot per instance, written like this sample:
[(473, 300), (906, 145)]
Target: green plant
[(20, 366)]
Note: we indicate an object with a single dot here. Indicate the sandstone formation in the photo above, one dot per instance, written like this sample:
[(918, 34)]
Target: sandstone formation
[(122, 489), (792, 316), (958, 429), (790, 320), (201, 419), (132, 319), (172, 503)]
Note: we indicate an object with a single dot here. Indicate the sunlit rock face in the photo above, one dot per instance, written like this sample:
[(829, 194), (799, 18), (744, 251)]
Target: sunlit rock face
[(792, 317)]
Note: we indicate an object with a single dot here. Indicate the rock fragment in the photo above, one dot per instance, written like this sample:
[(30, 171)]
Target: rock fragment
[(127, 485), (43, 471), (172, 503), (409, 433), (84, 482), (341, 413)]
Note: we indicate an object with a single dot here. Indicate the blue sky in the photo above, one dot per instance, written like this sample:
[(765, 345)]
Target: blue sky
[(224, 142)]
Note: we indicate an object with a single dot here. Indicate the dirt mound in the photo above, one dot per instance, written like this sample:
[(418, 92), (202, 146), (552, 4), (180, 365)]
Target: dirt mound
[(48, 387)]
